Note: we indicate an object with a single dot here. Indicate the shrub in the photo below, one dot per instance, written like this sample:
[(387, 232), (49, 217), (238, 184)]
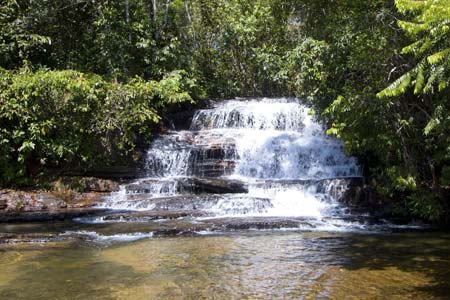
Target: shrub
[(71, 119)]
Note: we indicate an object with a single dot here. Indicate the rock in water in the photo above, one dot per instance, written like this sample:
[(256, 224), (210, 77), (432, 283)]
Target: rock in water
[(213, 185)]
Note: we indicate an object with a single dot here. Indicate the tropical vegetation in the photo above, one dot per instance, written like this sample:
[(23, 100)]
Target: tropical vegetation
[(85, 82)]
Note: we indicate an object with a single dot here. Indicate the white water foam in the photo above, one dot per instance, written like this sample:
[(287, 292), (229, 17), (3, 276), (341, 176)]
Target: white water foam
[(264, 141)]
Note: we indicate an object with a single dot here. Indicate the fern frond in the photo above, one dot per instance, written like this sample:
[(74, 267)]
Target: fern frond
[(430, 26), (413, 48), (439, 56), (398, 87), (413, 28), (420, 79), (434, 78), (441, 28)]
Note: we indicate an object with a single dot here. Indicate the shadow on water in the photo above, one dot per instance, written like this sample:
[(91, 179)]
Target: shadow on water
[(427, 254)]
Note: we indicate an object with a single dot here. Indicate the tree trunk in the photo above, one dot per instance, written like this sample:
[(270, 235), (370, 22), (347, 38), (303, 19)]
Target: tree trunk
[(164, 23), (127, 11), (127, 16), (152, 10)]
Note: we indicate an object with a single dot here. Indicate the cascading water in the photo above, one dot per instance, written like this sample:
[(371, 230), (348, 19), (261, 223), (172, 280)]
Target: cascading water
[(246, 158)]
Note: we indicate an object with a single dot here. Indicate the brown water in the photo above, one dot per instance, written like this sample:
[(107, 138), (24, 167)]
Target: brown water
[(271, 265)]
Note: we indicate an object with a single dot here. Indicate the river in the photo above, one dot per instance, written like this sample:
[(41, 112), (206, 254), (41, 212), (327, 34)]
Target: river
[(244, 265), (245, 203)]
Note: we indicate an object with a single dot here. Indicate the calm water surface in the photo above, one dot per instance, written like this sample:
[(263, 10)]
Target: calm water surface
[(260, 265)]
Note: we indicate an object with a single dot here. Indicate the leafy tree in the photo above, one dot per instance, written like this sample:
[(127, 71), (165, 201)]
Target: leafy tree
[(428, 79), (430, 29)]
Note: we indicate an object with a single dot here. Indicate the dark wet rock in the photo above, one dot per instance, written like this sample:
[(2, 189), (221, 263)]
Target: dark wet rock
[(181, 120), (139, 222), (196, 185), (178, 116), (260, 223), (213, 185), (48, 215), (365, 199)]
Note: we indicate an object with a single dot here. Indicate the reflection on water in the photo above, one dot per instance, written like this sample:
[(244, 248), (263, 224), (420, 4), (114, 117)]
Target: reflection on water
[(232, 266)]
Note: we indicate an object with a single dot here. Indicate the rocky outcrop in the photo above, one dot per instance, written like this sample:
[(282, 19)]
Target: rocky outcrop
[(22, 201), (86, 184), (38, 205), (363, 198)]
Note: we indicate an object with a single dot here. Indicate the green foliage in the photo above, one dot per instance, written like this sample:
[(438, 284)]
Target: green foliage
[(430, 29), (240, 45), (429, 206), (66, 118), (230, 47), (18, 45), (304, 68)]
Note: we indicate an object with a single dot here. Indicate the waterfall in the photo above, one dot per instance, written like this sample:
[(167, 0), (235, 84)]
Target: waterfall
[(274, 149)]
